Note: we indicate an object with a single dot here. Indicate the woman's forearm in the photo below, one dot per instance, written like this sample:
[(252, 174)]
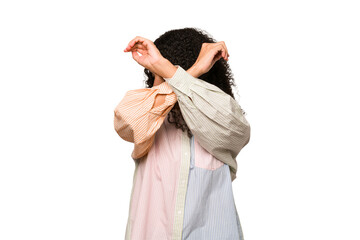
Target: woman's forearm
[(164, 68)]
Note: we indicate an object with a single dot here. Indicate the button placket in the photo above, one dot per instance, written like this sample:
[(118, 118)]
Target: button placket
[(192, 155), (182, 188)]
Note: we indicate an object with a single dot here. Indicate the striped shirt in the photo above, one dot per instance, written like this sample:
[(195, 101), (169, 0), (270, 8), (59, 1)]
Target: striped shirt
[(182, 187)]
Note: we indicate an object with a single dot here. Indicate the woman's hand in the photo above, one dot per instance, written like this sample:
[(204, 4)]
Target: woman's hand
[(150, 55), (209, 54)]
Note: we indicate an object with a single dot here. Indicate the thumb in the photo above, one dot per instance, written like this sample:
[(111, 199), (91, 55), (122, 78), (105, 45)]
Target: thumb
[(215, 59), (135, 56)]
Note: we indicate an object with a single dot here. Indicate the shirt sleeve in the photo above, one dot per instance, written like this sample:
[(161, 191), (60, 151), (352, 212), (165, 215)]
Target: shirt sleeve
[(136, 119), (213, 116)]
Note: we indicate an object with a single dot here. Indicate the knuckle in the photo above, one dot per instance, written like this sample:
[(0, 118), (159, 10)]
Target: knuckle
[(209, 45)]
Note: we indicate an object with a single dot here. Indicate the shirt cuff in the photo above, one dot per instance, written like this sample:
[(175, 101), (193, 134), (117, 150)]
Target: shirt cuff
[(181, 80)]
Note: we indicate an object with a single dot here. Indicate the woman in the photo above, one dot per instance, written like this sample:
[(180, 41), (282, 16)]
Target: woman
[(187, 130)]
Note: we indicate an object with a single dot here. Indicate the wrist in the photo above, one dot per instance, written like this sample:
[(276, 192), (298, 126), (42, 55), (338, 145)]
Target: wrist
[(194, 71), (164, 68)]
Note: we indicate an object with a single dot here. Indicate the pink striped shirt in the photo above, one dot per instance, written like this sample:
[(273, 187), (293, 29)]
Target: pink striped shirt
[(162, 155)]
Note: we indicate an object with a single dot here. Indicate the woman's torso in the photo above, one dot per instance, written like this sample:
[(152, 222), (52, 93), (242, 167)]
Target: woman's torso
[(168, 202)]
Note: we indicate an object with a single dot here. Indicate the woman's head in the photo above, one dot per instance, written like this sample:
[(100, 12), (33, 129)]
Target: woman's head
[(182, 47)]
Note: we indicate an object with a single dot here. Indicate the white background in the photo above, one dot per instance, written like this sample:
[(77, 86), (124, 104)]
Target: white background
[(66, 174)]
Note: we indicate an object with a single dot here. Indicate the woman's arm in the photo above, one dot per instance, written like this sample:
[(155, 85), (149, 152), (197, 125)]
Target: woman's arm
[(213, 116), (140, 114)]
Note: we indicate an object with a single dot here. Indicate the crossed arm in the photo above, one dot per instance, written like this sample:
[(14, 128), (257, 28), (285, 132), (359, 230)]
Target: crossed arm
[(213, 116)]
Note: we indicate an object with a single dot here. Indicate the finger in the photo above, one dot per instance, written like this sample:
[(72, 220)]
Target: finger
[(217, 56), (133, 45), (217, 53), (136, 40), (220, 48), (135, 56), (142, 51), (133, 42), (227, 52), (137, 46)]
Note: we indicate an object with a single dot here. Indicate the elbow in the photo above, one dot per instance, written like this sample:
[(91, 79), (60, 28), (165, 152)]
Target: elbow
[(244, 135), (117, 120), (247, 132), (123, 128), (119, 123), (247, 135)]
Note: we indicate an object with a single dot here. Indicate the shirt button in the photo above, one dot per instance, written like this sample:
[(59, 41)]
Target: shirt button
[(186, 154), (179, 212)]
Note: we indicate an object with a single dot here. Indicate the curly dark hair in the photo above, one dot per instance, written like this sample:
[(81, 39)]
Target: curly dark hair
[(182, 47)]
